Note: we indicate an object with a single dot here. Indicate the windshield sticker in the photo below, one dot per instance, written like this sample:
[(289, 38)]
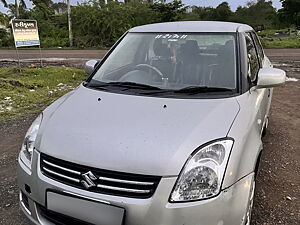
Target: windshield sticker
[(171, 37)]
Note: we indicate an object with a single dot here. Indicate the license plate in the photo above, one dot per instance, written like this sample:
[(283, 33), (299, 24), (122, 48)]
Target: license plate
[(84, 209)]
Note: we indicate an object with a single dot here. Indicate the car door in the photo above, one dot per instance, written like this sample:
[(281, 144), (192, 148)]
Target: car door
[(261, 95), (264, 63)]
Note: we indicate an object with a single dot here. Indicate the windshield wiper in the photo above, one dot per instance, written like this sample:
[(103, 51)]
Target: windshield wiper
[(201, 89), (127, 85)]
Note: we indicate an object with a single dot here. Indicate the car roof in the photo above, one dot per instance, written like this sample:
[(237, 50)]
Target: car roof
[(193, 26)]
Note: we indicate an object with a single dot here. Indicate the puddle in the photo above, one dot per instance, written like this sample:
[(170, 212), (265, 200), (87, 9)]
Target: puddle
[(44, 59), (293, 79)]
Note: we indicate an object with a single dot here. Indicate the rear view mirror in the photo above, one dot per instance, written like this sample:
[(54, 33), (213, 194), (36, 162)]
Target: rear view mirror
[(90, 66), (270, 77)]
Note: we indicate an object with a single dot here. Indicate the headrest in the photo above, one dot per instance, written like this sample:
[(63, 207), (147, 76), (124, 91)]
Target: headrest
[(190, 47), (161, 49), (229, 44)]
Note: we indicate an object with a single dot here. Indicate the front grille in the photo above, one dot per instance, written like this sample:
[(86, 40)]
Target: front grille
[(60, 219), (99, 180)]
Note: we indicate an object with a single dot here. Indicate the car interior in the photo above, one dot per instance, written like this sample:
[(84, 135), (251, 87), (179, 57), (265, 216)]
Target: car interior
[(172, 63)]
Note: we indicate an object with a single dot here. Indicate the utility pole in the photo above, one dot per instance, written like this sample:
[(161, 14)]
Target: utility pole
[(70, 24), (17, 8)]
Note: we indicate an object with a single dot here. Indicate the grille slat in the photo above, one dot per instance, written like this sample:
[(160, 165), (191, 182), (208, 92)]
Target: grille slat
[(125, 181), (122, 189), (99, 180), (60, 175), (62, 168)]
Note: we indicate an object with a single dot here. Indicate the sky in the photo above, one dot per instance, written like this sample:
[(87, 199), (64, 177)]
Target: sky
[(233, 3)]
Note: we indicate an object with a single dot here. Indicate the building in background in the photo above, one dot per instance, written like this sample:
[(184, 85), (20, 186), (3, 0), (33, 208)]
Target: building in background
[(60, 8)]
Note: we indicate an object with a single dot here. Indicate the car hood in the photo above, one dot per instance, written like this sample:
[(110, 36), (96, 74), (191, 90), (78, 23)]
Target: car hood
[(134, 134)]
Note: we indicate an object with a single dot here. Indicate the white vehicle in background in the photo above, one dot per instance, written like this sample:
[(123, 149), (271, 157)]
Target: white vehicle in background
[(165, 131)]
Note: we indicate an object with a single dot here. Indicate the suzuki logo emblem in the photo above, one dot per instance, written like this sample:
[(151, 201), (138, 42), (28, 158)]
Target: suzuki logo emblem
[(88, 180)]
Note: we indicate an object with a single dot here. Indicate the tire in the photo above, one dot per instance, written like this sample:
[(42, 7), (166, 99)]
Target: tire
[(265, 129), (264, 132), (250, 205)]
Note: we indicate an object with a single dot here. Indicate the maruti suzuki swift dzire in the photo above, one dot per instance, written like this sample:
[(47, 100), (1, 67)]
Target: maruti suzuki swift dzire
[(166, 130)]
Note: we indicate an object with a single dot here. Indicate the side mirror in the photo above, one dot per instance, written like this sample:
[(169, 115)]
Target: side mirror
[(90, 66), (270, 77)]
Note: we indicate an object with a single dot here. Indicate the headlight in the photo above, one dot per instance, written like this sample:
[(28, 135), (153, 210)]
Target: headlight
[(29, 140), (202, 174)]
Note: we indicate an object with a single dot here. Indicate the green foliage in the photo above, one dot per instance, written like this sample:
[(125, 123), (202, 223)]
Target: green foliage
[(202, 13), (3, 19), (223, 12), (102, 25), (6, 38), (96, 24), (255, 14), (290, 11), (272, 32), (34, 88), (168, 12)]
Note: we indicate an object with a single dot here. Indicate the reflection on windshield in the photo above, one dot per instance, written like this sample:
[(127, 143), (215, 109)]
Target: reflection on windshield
[(172, 61)]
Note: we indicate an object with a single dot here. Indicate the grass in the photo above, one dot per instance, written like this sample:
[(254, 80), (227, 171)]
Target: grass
[(280, 38), (292, 42), (272, 32), (32, 89)]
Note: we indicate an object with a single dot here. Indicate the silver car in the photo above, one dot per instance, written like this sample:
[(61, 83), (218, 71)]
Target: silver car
[(166, 130)]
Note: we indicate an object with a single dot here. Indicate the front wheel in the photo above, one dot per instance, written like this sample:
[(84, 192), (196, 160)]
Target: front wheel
[(265, 129)]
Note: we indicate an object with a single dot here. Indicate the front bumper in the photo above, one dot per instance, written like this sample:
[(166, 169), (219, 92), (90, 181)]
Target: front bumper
[(228, 208)]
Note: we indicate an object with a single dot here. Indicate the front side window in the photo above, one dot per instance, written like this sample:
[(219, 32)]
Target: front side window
[(253, 63), (172, 62), (258, 47)]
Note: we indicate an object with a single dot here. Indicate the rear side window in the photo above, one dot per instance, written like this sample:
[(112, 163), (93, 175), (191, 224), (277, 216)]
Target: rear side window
[(253, 62)]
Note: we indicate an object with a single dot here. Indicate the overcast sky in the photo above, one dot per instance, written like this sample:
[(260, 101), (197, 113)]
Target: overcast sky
[(233, 3)]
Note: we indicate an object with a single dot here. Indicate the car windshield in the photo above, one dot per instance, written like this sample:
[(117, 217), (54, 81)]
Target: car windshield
[(171, 61)]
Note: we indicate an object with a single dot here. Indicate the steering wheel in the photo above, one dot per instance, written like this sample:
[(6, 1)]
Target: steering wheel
[(157, 71)]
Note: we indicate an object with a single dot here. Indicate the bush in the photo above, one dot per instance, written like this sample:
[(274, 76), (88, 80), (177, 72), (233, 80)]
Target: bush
[(48, 42), (102, 25), (6, 39)]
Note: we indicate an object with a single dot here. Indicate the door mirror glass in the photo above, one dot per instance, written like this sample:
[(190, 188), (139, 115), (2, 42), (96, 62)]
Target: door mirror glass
[(270, 77), (90, 66)]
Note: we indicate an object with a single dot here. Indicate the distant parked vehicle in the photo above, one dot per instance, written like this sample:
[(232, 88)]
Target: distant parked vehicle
[(259, 28), (166, 130)]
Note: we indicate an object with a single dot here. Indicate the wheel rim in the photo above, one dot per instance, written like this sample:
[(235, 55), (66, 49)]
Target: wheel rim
[(251, 200)]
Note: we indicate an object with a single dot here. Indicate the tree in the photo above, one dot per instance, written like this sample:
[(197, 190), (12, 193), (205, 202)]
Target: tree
[(21, 3), (223, 12), (4, 2), (168, 12), (290, 11), (3, 19), (256, 13), (15, 8), (206, 13)]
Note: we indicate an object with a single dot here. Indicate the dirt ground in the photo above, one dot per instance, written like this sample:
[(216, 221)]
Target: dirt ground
[(277, 198)]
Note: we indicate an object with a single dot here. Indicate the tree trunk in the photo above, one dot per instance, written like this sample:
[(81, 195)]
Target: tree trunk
[(70, 24)]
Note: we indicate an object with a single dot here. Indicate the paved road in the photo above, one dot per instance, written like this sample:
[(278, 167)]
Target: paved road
[(293, 54), (61, 54)]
